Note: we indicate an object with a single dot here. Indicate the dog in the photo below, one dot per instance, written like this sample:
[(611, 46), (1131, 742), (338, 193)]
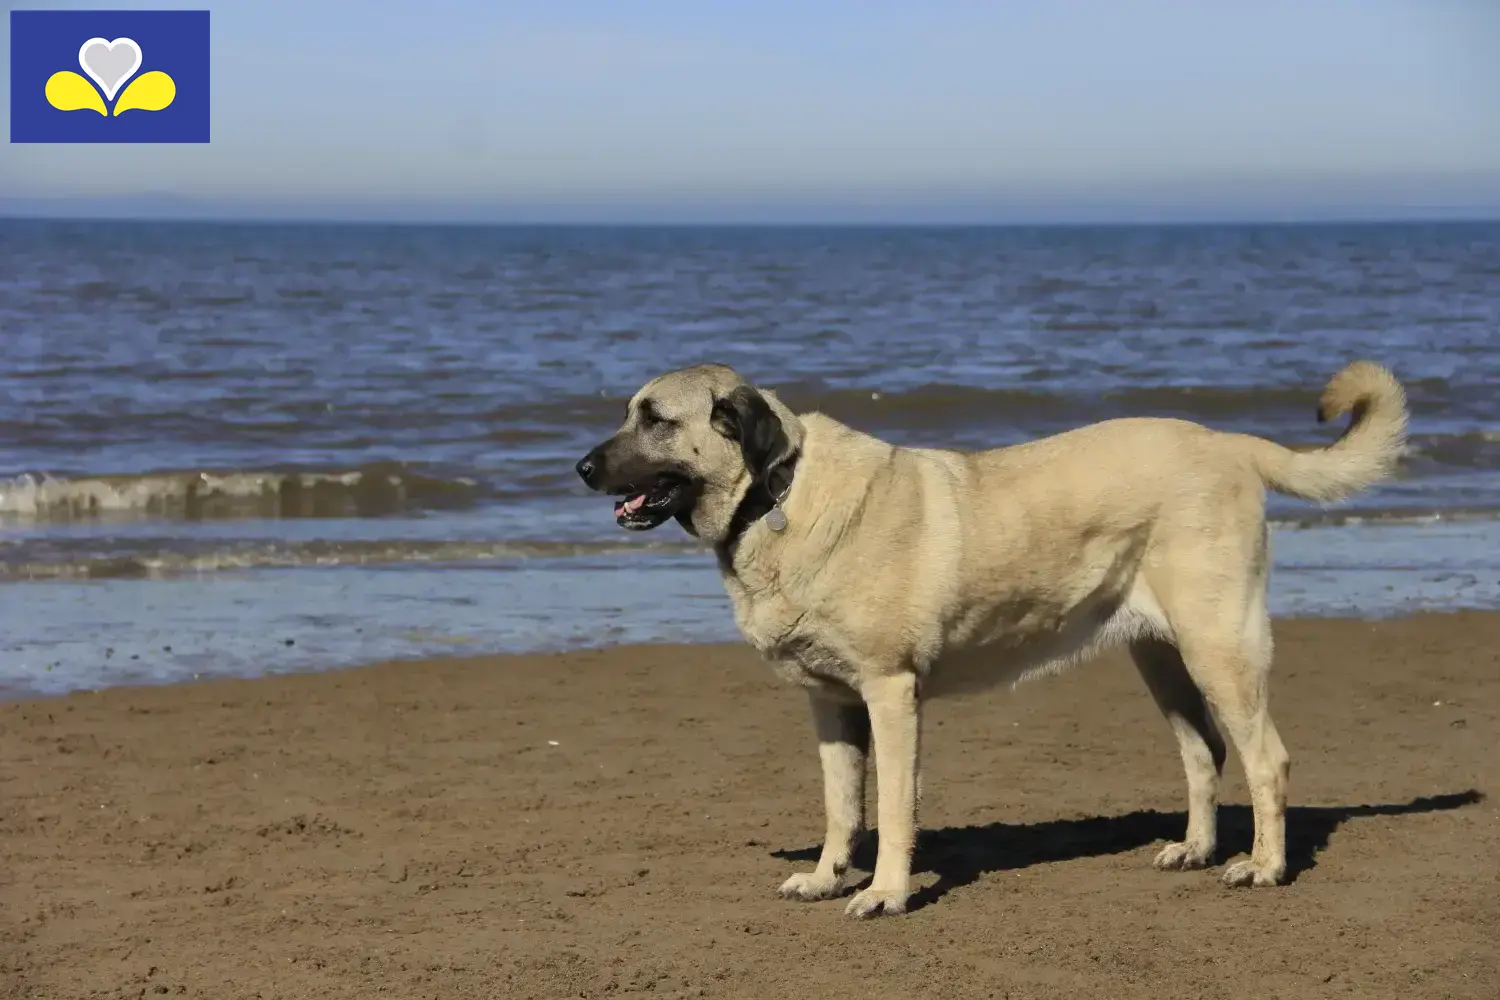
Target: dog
[(877, 577)]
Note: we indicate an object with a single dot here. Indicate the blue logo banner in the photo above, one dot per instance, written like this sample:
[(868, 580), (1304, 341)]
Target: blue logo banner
[(109, 76)]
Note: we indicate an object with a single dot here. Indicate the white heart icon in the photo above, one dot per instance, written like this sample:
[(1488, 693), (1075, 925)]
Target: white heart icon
[(110, 64)]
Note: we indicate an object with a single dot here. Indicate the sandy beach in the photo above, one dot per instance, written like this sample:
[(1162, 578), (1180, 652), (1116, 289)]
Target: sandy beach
[(614, 823)]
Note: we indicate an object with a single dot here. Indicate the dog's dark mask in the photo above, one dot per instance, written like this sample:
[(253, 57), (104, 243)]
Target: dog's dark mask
[(650, 494), (654, 485)]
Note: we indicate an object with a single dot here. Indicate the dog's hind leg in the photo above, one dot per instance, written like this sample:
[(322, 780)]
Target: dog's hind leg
[(1232, 670), (1199, 741)]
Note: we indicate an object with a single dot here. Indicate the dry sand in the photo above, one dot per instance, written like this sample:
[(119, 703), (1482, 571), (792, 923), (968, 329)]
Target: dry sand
[(615, 823)]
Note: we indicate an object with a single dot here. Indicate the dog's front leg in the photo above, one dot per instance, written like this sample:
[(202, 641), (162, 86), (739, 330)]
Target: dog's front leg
[(895, 724), (844, 746)]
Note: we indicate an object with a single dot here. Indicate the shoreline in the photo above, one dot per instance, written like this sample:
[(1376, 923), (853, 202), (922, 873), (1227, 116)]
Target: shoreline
[(615, 822), (12, 695)]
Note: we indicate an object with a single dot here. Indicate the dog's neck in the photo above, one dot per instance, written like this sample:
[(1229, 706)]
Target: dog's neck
[(762, 497)]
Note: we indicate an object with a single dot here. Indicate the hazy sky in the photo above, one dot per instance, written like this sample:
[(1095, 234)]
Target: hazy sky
[(835, 109)]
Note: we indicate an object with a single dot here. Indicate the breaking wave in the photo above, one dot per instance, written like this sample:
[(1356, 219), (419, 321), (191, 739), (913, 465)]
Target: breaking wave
[(391, 489), (366, 491)]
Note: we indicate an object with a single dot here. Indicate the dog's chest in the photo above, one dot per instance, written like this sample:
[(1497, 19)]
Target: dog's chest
[(796, 647)]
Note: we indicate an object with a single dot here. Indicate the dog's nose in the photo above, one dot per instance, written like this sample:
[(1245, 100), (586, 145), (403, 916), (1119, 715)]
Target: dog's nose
[(587, 468)]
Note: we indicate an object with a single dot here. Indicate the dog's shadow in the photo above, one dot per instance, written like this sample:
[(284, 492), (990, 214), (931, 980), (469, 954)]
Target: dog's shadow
[(962, 855)]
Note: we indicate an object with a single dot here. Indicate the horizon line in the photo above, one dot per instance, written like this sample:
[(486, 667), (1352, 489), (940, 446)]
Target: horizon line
[(1481, 217)]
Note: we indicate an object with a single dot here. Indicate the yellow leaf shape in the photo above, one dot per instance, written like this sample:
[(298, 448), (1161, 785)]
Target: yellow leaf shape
[(149, 92), (67, 91)]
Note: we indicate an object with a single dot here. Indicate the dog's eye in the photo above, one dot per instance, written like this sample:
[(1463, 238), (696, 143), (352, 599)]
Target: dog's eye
[(651, 418)]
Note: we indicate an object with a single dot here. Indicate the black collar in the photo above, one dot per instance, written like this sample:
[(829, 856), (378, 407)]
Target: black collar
[(757, 502)]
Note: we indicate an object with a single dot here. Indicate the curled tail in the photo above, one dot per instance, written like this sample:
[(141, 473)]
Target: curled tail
[(1363, 455)]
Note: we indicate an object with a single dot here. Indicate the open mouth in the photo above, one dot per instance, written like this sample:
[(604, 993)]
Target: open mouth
[(645, 509)]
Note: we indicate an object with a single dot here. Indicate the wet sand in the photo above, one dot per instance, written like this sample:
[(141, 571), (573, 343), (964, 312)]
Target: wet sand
[(614, 823)]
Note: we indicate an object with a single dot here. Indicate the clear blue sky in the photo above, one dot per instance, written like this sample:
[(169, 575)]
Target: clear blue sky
[(830, 110)]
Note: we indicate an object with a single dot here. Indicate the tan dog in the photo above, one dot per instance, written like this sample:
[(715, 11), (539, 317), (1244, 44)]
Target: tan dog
[(876, 576)]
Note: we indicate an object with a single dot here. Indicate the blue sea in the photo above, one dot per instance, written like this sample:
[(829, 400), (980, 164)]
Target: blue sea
[(253, 448)]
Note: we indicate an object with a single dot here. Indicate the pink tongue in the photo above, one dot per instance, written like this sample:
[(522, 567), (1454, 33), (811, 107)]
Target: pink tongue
[(634, 502)]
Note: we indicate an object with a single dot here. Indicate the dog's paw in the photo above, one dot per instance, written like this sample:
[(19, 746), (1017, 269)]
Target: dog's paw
[(809, 887), (1181, 856), (877, 902), (1248, 873)]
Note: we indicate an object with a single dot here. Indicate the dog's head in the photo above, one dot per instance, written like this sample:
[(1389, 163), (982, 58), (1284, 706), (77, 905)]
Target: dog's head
[(694, 442)]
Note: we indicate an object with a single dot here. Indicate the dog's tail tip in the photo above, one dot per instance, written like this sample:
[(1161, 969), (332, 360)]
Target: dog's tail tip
[(1359, 386)]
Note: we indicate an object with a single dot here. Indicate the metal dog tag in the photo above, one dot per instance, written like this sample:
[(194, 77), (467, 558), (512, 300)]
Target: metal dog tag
[(776, 519)]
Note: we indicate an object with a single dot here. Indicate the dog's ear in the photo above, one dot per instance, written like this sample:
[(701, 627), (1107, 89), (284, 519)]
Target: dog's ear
[(745, 417)]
